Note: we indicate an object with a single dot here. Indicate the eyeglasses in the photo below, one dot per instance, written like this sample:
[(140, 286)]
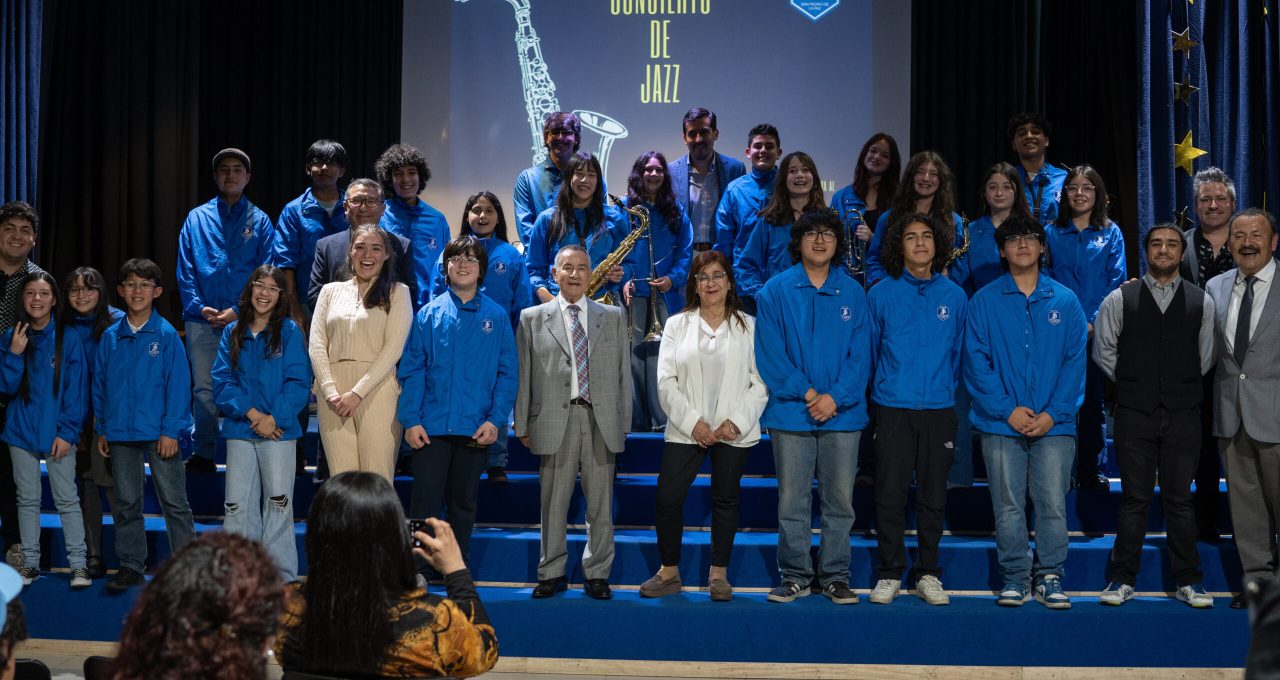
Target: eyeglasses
[(138, 285), (264, 288), (1080, 189), (361, 202), (459, 260), (821, 235), (1019, 239), (704, 279), (77, 291)]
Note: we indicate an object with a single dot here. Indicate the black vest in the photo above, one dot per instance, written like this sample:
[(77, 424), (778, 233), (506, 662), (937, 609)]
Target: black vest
[(1159, 354)]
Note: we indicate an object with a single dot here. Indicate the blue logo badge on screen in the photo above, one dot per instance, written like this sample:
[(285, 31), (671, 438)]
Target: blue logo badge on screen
[(815, 9)]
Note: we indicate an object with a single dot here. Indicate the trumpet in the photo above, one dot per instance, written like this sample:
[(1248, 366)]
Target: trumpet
[(641, 214)]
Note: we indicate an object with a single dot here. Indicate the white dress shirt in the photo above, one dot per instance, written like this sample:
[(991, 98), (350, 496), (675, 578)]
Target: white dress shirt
[(581, 304), (1260, 289), (713, 351)]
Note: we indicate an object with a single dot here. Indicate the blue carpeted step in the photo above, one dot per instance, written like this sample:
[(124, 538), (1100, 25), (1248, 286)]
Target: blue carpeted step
[(972, 631), (516, 503), (968, 563)]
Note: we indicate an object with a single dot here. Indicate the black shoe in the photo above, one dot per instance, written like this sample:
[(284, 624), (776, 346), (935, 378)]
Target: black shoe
[(199, 465), (299, 461), (124, 579), (95, 567), (550, 587), (322, 470), (597, 589), (1239, 602), (1096, 482), (404, 466), (864, 480), (497, 475)]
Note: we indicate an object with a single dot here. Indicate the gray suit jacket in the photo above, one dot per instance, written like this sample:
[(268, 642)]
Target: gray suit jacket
[(1248, 394), (546, 364)]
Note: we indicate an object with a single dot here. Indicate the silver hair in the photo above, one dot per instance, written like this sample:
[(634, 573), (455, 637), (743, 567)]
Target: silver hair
[(1212, 175)]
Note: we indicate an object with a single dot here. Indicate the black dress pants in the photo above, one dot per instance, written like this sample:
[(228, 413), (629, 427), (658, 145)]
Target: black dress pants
[(920, 444), (680, 463)]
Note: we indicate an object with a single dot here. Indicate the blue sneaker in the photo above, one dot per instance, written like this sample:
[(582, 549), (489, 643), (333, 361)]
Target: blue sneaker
[(1013, 594), (1116, 594), (1050, 594)]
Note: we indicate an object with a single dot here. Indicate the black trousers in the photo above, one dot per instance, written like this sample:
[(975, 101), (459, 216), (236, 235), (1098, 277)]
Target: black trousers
[(919, 443), (446, 475), (1091, 423), (680, 464), (1168, 442), (1208, 495)]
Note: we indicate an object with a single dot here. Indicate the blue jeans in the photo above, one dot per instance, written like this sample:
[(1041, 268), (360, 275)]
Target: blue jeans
[(498, 449), (832, 457), (170, 480), (202, 347), (259, 497), (62, 482), (1042, 466)]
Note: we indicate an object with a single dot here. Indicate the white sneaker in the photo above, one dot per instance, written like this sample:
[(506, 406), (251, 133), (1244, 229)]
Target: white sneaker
[(80, 579), (1116, 594), (929, 589), (885, 590)]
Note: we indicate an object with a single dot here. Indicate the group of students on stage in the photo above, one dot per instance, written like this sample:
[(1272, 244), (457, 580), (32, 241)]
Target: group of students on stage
[(881, 311)]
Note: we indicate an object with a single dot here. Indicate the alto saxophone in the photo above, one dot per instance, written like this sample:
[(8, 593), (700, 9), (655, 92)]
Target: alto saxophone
[(601, 272), (964, 247)]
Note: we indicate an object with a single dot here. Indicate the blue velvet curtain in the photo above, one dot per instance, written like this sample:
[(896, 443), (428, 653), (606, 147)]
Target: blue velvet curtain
[(19, 97), (1233, 115)]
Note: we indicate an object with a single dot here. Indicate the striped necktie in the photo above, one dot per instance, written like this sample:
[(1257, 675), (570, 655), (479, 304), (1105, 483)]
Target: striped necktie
[(580, 354)]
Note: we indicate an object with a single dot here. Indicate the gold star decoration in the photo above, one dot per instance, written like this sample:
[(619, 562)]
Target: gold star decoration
[(1180, 218), (1184, 90), (1185, 152), (1182, 42)]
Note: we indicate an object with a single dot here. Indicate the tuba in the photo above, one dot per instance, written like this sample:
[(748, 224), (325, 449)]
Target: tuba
[(601, 272)]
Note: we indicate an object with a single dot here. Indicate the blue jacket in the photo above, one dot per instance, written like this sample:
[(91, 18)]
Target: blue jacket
[(83, 327), (813, 337), (302, 223), (958, 271), (1091, 262), (218, 248), (1045, 192), (599, 244), (740, 207), (1024, 351), (459, 367), (32, 423), (764, 256), (506, 281), (671, 255), (428, 231), (535, 191), (141, 383), (983, 256), (917, 338), (278, 385)]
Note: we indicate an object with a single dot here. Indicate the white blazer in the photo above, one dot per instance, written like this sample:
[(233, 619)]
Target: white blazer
[(743, 394)]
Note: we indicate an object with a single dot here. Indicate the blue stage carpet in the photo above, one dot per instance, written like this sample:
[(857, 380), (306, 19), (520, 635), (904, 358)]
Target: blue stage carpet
[(972, 631)]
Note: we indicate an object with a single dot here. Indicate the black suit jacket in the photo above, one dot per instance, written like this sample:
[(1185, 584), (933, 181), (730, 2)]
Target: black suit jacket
[(331, 263)]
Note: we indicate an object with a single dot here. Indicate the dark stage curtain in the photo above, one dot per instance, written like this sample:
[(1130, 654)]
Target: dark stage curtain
[(1232, 116), (19, 97), (976, 64), (139, 96)]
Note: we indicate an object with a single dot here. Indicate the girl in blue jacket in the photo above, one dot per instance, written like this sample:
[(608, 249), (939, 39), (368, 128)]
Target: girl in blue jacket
[(1003, 195), (261, 379), (796, 190), (86, 313), (927, 187), (43, 374)]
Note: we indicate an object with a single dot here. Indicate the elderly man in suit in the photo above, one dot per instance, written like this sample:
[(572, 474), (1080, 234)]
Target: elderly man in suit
[(573, 409), (700, 177), (1246, 420), (363, 205)]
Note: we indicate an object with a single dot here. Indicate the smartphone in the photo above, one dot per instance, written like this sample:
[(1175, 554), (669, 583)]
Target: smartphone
[(417, 525)]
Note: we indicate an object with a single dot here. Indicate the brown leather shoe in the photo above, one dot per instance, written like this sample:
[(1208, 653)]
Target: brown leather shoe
[(720, 590), (657, 587)]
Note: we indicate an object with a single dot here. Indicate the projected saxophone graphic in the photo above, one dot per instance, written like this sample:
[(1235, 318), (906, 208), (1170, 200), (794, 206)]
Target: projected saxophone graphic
[(540, 93)]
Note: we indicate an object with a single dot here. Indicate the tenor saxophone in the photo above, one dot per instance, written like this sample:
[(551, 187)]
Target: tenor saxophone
[(601, 272)]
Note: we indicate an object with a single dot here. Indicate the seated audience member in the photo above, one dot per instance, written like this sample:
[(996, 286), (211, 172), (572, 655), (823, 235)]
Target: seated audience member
[(875, 182), (706, 374), (13, 618), (211, 612), (361, 611)]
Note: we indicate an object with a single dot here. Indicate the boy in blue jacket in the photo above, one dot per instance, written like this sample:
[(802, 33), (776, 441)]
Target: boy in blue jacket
[(745, 196), (142, 401), (1025, 353), (917, 329), (221, 242), (813, 352)]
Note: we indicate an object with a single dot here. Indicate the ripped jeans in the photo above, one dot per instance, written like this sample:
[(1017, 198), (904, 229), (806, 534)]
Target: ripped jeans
[(259, 498)]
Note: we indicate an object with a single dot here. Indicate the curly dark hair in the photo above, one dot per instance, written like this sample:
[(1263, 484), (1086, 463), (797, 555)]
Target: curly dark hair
[(813, 220), (21, 210), (944, 199), (732, 304), (396, 157), (891, 255), (209, 613)]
